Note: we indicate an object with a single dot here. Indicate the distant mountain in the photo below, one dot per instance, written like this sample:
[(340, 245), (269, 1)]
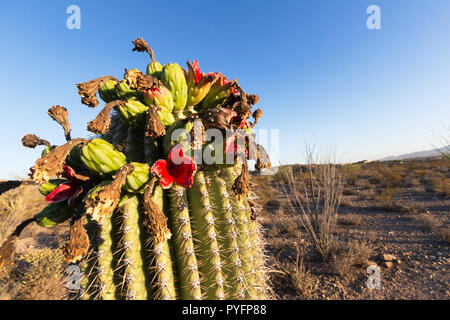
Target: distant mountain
[(419, 154)]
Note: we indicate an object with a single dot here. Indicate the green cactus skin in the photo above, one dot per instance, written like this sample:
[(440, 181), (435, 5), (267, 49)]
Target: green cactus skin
[(242, 220), (215, 251), (259, 270), (54, 214), (107, 91), (133, 112), (154, 69), (131, 255), (162, 268), (228, 234), (48, 186), (138, 179), (102, 157), (206, 247), (104, 287), (186, 261), (174, 79)]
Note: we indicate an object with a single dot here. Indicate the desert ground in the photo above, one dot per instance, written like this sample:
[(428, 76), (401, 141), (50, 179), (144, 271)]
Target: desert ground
[(393, 215)]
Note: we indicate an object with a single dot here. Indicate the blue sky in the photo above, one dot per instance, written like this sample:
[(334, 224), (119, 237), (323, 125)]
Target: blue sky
[(321, 75)]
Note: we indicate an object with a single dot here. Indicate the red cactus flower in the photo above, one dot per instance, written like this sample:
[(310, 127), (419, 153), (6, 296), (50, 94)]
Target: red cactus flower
[(224, 80), (178, 168), (198, 74), (68, 190)]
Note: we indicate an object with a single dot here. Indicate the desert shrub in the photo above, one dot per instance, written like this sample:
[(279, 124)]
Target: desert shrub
[(386, 197), (441, 186), (322, 193)]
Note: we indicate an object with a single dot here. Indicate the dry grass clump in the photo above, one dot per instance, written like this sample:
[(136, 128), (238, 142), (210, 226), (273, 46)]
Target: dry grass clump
[(435, 225), (293, 274), (386, 197), (350, 219), (431, 222), (444, 234), (37, 275), (348, 258), (367, 194), (412, 207), (441, 186)]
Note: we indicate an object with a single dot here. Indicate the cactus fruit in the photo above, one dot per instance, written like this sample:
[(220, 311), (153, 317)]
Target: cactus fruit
[(149, 221)]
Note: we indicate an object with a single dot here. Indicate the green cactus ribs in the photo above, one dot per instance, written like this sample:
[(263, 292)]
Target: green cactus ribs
[(147, 221)]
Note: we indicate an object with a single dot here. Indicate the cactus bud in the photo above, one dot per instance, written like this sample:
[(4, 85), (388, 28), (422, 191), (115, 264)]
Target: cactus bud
[(107, 91), (102, 157), (173, 79), (198, 84), (218, 94), (48, 186), (54, 214), (154, 69), (137, 180), (133, 113), (60, 115), (124, 92), (159, 96)]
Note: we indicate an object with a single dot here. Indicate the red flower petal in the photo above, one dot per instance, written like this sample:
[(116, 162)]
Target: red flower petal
[(160, 169), (196, 68), (68, 172), (181, 167), (62, 192)]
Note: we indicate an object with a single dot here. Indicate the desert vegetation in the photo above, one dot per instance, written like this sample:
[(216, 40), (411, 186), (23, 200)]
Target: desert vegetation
[(392, 214)]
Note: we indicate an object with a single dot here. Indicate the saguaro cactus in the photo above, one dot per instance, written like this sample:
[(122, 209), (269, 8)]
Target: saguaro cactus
[(147, 221)]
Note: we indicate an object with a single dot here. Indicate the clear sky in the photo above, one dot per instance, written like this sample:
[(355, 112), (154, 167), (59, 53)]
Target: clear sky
[(321, 74)]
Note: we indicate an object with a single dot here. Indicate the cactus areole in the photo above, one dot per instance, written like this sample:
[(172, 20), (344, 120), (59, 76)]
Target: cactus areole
[(157, 209)]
